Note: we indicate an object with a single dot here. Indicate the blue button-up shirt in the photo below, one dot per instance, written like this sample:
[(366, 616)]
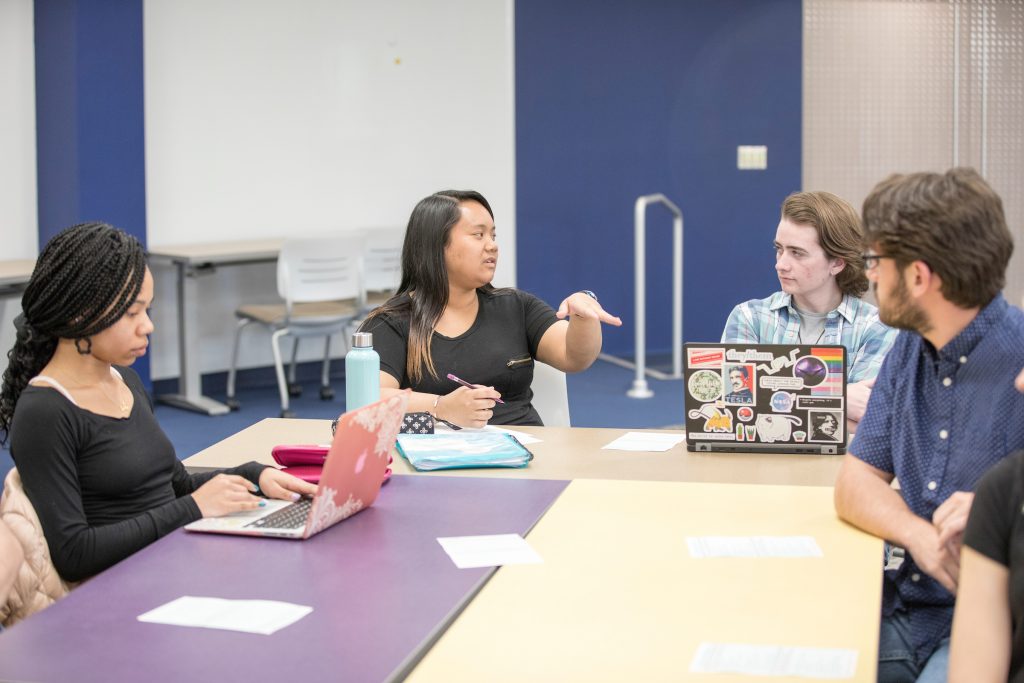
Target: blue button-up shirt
[(938, 420), (854, 324)]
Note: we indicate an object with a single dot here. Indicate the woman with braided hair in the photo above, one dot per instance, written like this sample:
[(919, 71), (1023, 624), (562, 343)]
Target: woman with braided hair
[(99, 471)]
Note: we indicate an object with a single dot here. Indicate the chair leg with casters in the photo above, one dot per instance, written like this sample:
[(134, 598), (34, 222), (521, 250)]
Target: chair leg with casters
[(294, 388), (231, 401), (282, 386), (326, 391)]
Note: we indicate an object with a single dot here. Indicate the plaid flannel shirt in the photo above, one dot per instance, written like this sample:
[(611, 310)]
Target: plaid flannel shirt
[(854, 324)]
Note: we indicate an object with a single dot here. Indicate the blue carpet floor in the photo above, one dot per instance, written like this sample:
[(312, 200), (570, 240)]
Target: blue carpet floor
[(597, 398)]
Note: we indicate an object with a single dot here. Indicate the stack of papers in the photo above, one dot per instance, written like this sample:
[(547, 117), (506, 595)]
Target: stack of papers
[(458, 450)]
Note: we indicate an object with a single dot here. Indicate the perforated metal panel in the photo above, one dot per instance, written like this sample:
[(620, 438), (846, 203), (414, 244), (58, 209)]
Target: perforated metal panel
[(916, 85)]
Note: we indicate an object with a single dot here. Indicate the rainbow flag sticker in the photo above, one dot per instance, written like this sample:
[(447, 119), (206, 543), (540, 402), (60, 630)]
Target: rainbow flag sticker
[(833, 382)]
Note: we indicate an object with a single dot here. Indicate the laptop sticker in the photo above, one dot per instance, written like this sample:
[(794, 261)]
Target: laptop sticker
[(705, 385), (739, 383), (715, 419), (705, 358), (772, 428), (826, 426), (782, 401)]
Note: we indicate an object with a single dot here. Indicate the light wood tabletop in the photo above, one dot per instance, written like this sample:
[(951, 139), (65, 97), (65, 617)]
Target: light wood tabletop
[(618, 596), (562, 453)]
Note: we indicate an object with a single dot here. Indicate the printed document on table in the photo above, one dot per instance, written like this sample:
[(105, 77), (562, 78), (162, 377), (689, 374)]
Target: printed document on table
[(249, 616), (774, 660), (646, 441), (468, 552), (753, 546)]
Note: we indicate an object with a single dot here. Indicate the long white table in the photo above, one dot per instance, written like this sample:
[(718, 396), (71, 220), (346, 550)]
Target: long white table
[(189, 260)]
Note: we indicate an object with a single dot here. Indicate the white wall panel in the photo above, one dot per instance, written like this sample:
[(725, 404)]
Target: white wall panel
[(268, 118), (19, 226), (916, 85)]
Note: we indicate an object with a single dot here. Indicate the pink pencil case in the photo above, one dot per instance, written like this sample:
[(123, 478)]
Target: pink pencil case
[(306, 461)]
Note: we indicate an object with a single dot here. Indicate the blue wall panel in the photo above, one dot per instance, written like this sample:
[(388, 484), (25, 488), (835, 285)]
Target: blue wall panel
[(90, 118), (617, 100)]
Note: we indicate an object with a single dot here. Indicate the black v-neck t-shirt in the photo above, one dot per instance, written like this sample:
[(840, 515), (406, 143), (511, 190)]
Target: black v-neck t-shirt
[(497, 350)]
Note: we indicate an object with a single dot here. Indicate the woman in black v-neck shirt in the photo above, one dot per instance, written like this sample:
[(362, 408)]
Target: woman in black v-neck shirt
[(101, 474), (447, 318)]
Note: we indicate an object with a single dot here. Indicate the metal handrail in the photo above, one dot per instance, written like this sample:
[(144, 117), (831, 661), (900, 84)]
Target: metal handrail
[(640, 388)]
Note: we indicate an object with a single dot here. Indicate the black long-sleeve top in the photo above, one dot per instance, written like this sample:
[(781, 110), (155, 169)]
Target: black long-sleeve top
[(103, 487)]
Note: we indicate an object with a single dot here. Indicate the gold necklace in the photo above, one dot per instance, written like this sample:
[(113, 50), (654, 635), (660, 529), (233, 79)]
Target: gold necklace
[(123, 404)]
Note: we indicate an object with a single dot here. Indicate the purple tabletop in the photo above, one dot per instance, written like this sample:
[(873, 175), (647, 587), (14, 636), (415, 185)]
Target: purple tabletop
[(381, 587)]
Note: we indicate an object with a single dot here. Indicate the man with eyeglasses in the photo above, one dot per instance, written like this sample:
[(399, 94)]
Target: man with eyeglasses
[(818, 247), (943, 409)]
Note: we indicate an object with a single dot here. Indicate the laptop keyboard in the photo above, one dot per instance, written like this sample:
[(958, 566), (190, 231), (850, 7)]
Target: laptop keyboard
[(291, 517)]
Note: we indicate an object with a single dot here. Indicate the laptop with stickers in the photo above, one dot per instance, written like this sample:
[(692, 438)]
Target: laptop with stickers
[(351, 479), (785, 398)]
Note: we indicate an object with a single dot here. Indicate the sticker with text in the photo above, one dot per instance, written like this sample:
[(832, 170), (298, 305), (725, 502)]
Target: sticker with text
[(704, 358)]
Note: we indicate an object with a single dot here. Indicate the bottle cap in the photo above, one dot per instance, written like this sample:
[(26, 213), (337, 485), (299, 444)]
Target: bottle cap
[(362, 340)]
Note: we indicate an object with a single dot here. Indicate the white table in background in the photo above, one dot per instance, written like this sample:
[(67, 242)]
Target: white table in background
[(188, 261), (14, 275)]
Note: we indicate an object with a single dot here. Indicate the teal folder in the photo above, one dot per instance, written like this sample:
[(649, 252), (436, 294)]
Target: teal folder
[(462, 450)]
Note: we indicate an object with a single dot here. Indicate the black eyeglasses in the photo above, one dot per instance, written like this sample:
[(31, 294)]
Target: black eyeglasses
[(871, 260)]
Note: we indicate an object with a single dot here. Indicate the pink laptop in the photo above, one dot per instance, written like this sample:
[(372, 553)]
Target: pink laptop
[(351, 479)]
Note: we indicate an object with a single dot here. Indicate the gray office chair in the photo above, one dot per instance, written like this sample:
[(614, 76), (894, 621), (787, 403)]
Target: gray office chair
[(319, 280), (550, 395)]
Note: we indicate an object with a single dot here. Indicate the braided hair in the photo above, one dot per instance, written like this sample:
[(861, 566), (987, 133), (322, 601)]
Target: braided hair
[(85, 279)]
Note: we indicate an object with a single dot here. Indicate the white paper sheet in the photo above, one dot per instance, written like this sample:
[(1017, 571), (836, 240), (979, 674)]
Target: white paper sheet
[(753, 546), (646, 441), (249, 616), (775, 660), (522, 437), (468, 552)]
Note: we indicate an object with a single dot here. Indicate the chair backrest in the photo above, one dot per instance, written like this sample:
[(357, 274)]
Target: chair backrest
[(37, 585), (320, 269), (382, 260), (550, 395)]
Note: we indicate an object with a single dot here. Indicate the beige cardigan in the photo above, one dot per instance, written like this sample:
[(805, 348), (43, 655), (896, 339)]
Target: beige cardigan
[(38, 585)]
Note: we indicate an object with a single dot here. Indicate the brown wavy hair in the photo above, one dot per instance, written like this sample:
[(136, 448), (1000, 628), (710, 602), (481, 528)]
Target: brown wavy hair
[(839, 233), (952, 221)]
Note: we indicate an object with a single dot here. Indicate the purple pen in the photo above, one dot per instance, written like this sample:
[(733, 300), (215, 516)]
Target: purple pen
[(467, 384)]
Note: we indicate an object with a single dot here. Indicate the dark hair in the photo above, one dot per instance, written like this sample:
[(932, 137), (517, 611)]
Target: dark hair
[(424, 273), (839, 233), (83, 282), (952, 221), (742, 369)]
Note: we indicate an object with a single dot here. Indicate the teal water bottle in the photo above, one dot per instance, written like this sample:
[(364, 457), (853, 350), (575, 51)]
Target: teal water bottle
[(362, 372)]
